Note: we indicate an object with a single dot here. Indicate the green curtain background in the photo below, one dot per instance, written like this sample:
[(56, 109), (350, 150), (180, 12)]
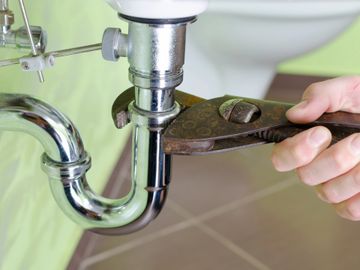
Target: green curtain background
[(35, 234)]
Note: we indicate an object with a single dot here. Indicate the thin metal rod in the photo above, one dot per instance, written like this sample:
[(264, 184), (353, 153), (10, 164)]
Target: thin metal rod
[(77, 50), (9, 62), (28, 30), (60, 53)]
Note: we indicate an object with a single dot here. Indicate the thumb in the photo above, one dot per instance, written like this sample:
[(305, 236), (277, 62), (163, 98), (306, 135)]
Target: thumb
[(307, 111), (340, 94)]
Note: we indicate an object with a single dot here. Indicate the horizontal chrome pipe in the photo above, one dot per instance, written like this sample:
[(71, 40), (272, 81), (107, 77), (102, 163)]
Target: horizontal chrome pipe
[(66, 162), (6, 17), (18, 39)]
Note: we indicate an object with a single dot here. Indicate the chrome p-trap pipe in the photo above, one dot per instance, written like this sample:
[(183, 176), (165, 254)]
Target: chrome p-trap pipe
[(156, 56), (66, 162)]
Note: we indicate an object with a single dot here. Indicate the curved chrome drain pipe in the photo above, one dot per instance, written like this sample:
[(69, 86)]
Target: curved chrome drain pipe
[(66, 162), (156, 52)]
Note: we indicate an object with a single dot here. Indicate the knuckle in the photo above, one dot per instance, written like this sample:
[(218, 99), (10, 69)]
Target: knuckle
[(339, 160), (299, 155), (356, 177), (312, 89)]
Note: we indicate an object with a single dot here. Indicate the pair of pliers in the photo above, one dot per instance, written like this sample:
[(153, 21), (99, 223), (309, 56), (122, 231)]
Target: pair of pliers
[(229, 123)]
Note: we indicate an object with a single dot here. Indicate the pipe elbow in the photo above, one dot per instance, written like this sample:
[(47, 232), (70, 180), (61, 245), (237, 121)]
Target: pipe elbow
[(66, 162), (101, 215)]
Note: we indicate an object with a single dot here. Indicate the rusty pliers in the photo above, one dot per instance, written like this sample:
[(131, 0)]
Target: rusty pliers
[(229, 123)]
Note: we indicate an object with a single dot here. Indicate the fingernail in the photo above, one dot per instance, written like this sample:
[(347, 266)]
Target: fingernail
[(301, 106), (355, 145), (318, 137)]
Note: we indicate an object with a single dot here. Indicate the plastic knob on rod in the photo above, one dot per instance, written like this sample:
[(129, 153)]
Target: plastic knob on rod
[(114, 44)]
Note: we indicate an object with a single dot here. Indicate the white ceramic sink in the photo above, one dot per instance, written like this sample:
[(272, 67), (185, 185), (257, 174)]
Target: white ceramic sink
[(235, 46)]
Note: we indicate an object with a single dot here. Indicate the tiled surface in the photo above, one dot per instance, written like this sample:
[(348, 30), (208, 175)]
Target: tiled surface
[(233, 211), (192, 247), (293, 230), (203, 183), (167, 218)]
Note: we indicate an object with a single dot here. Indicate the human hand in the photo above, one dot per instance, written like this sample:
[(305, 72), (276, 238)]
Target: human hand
[(334, 171)]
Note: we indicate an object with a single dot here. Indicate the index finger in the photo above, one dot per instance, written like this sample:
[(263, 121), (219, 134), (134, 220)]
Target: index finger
[(340, 94)]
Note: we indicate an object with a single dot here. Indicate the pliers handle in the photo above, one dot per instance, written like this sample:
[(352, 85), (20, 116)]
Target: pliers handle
[(229, 123)]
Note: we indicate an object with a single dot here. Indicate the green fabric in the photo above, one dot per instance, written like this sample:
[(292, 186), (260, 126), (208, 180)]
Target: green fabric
[(35, 234)]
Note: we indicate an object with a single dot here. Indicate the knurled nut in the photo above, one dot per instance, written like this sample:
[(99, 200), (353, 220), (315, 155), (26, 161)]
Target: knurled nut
[(110, 44), (152, 120), (155, 81), (6, 18)]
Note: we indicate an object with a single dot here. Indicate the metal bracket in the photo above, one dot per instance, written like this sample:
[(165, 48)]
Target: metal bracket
[(37, 63)]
